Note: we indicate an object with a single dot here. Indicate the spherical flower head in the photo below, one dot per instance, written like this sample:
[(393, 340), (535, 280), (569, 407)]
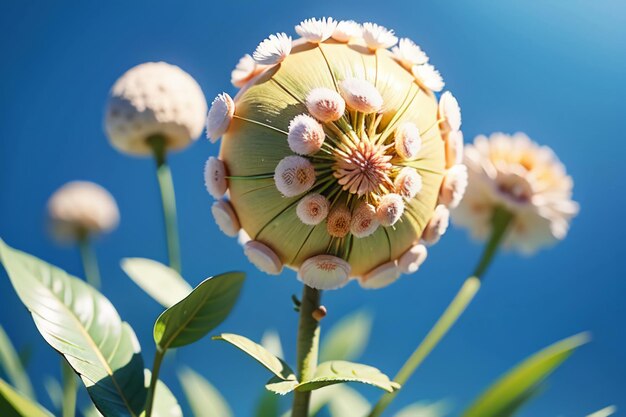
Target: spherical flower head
[(80, 208), (524, 178), (225, 218), (312, 165), (361, 95), (154, 99), (378, 37), (325, 105), (437, 226), (429, 77), (347, 31), (408, 54), (450, 111), (306, 135), (324, 272), (316, 31), (215, 177), (294, 175), (380, 277), (408, 141), (412, 259), (273, 50), (245, 70), (312, 209), (219, 117), (263, 257), (453, 186)]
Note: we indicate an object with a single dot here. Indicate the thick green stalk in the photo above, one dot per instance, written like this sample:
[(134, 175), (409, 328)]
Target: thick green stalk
[(154, 378), (90, 261), (307, 348), (69, 390), (168, 200), (500, 222)]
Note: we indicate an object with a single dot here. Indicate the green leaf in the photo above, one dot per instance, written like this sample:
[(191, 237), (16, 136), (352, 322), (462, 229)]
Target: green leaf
[(280, 386), (81, 324), (200, 312), (424, 409), (69, 390), (54, 391), (14, 404), (91, 411), (268, 405), (160, 282), (12, 365), (345, 401), (165, 404), (505, 397), (274, 364), (605, 412), (347, 339), (204, 400), (337, 372)]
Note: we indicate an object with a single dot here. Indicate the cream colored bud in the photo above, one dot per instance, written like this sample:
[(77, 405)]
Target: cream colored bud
[(378, 37), (381, 276), (215, 177), (429, 77), (450, 111), (437, 225), (453, 186), (454, 148), (263, 257), (408, 141), (312, 209), (408, 183), (316, 30), (273, 50), (347, 31), (219, 117), (407, 53), (361, 95), (294, 175), (225, 218), (244, 71), (306, 135), (338, 221), (411, 260), (325, 105), (324, 272), (364, 221), (390, 209)]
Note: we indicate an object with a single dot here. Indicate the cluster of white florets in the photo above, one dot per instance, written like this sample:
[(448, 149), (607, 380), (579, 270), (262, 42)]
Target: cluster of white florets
[(344, 170)]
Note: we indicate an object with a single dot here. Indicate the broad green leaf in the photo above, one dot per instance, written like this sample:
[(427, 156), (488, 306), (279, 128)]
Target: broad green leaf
[(91, 411), (347, 339), (82, 325), (160, 282), (204, 400), (605, 412), (271, 341), (274, 364), (268, 405), (12, 365), (165, 404), (347, 402), (70, 388), (512, 390), (280, 386), (424, 409), (14, 404), (337, 372), (199, 312)]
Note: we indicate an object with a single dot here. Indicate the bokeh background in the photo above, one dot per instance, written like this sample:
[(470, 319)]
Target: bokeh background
[(552, 69)]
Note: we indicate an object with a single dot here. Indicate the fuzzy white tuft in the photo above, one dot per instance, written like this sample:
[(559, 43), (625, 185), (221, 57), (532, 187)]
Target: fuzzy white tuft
[(312, 209), (306, 135), (454, 148), (219, 117), (453, 186), (408, 141), (347, 31), (364, 221), (294, 175), (264, 258), (408, 183), (429, 76), (338, 221), (324, 272), (381, 276), (437, 225), (244, 71), (325, 105), (407, 53), (215, 177), (316, 30), (273, 50), (378, 37), (225, 217), (450, 111), (361, 95), (411, 260), (390, 209)]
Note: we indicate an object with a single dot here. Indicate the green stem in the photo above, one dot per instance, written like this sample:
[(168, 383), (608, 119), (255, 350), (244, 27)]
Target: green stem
[(154, 378), (307, 348), (90, 261), (69, 390), (168, 200), (501, 220)]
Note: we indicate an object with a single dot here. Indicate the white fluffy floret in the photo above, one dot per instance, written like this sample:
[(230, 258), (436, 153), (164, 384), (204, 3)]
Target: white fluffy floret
[(312, 209), (450, 111), (264, 258), (294, 175), (407, 53), (453, 186), (411, 260), (325, 105), (437, 225), (429, 76), (381, 276), (347, 31), (273, 50), (378, 37), (390, 209), (408, 183), (225, 218), (407, 141), (361, 95), (316, 30), (219, 117), (306, 135), (324, 272), (215, 177)]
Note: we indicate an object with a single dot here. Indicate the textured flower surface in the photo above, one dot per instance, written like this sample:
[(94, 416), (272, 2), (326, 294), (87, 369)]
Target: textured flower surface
[(334, 159), (81, 207), (151, 99), (526, 179)]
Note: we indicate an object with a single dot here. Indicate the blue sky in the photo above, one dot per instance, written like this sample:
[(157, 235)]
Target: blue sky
[(552, 69)]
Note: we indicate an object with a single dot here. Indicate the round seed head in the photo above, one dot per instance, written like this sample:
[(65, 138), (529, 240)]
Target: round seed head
[(263, 257), (324, 272), (454, 148), (294, 175), (273, 50), (381, 276), (338, 222), (306, 135), (453, 186), (361, 95), (429, 77), (219, 117), (408, 141), (364, 221), (378, 37), (215, 177), (325, 105), (408, 183), (312, 209), (225, 218), (347, 31), (449, 110), (316, 31), (412, 259), (390, 209), (437, 225)]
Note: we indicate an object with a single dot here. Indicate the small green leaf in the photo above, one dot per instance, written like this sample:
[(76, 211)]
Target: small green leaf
[(200, 312), (69, 390), (204, 400), (605, 412), (424, 409), (506, 395), (165, 404), (14, 404), (280, 386), (347, 339), (91, 411), (346, 401), (268, 405), (160, 282), (12, 365), (274, 364), (82, 325), (336, 372)]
